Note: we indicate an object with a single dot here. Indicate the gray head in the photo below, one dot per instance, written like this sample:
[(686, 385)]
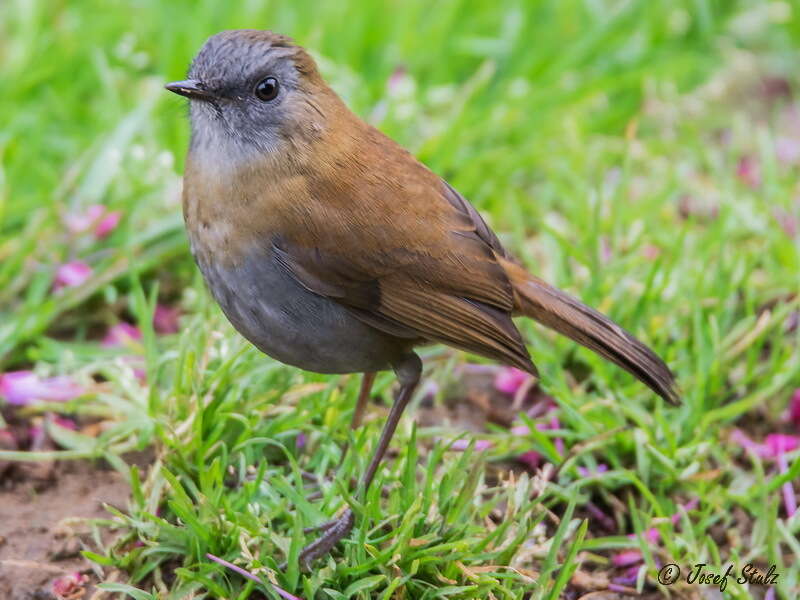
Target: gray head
[(252, 90)]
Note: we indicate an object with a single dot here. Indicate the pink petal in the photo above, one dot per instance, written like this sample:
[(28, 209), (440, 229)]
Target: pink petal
[(651, 251), (65, 423), (749, 171), (531, 459), (584, 472), (509, 380), (787, 150), (789, 499), (691, 505), (107, 224), (627, 558), (165, 319), (778, 443), (72, 274), (461, 445), (794, 408), (68, 585), (81, 222), (558, 442), (478, 369), (96, 218), (397, 79), (601, 516), (739, 437), (553, 423), (121, 334), (606, 253), (651, 535), (787, 221), (24, 387), (629, 578), (774, 444)]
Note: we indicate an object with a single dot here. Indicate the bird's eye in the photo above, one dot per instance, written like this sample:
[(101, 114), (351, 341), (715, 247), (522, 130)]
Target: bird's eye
[(267, 89)]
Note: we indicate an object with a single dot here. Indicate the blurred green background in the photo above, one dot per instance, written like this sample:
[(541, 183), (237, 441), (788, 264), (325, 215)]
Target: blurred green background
[(642, 154)]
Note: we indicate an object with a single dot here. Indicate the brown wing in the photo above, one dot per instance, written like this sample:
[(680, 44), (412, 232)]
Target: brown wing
[(426, 266)]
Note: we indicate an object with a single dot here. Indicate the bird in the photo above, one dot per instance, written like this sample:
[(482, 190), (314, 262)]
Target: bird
[(333, 249)]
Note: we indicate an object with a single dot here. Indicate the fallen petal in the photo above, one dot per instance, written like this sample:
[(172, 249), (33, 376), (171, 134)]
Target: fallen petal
[(774, 444), (81, 222), (70, 586), (107, 224), (787, 221), (24, 387), (739, 437), (165, 319), (794, 408), (606, 254), (461, 445), (691, 505), (787, 150), (509, 380), (121, 334), (65, 423), (72, 274), (651, 251), (627, 558), (749, 171), (531, 459), (778, 443), (601, 468), (600, 515), (96, 218), (787, 489), (629, 578), (399, 81)]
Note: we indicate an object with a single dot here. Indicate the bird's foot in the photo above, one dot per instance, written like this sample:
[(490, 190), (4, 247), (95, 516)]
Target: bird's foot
[(333, 531)]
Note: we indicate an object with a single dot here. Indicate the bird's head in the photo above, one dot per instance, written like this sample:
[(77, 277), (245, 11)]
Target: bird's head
[(254, 91)]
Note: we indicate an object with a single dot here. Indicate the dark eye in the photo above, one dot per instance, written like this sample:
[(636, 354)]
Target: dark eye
[(267, 89)]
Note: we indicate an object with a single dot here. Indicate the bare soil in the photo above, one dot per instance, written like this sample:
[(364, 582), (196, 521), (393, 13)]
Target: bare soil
[(43, 525)]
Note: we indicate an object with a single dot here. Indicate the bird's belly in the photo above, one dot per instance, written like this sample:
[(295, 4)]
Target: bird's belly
[(293, 325)]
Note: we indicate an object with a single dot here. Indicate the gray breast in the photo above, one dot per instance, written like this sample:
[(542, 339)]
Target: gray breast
[(293, 325)]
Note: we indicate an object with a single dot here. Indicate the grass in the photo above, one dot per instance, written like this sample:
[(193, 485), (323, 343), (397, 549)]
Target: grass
[(580, 129)]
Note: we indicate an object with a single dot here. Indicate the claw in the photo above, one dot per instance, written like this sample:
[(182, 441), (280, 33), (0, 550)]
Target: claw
[(322, 527), (333, 532)]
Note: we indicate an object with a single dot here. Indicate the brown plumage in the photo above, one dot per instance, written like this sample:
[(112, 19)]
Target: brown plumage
[(332, 248)]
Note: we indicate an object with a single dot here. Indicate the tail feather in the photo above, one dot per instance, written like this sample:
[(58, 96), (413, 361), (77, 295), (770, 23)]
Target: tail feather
[(565, 314)]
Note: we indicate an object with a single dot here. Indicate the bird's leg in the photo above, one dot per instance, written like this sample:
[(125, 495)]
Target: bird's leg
[(361, 407), (408, 373), (358, 417)]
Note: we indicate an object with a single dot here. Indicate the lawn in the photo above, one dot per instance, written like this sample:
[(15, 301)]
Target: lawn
[(643, 155)]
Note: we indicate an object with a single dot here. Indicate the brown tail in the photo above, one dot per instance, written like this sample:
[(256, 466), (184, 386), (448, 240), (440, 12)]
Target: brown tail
[(563, 313)]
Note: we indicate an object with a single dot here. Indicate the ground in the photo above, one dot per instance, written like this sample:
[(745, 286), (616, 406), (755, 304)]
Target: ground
[(43, 525)]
